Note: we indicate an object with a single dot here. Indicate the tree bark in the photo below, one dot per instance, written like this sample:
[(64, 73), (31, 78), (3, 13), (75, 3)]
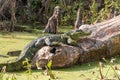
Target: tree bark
[(78, 21), (13, 18), (104, 40), (29, 4), (53, 22)]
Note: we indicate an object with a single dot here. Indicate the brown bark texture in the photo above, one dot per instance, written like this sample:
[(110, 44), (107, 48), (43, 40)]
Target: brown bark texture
[(78, 21), (13, 18), (103, 42), (8, 26), (53, 22)]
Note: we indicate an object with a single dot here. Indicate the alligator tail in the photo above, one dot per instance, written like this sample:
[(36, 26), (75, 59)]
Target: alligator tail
[(12, 66)]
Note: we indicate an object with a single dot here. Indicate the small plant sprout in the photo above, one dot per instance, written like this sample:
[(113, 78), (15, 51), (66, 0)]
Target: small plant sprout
[(111, 66), (27, 65), (49, 71), (37, 65), (49, 64), (3, 71), (100, 70)]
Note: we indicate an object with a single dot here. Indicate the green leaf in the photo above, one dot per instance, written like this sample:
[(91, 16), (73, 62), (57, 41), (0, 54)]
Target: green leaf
[(49, 64)]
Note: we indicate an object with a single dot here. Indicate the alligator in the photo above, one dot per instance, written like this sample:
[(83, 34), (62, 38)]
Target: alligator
[(69, 38)]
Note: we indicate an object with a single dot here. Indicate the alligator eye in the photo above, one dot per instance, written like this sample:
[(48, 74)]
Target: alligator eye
[(53, 50)]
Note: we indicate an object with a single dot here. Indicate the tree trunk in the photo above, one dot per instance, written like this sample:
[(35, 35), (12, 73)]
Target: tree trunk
[(13, 18), (29, 4), (78, 21), (103, 42), (53, 22)]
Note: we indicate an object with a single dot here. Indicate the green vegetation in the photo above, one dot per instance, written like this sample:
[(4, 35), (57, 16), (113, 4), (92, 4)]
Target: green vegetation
[(35, 13), (89, 71)]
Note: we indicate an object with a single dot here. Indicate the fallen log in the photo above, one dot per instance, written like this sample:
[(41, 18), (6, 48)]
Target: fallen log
[(104, 41)]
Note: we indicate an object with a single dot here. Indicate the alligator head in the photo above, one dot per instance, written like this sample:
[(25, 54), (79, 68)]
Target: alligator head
[(76, 34)]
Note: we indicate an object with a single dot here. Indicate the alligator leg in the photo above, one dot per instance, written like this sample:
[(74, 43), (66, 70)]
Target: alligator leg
[(72, 42)]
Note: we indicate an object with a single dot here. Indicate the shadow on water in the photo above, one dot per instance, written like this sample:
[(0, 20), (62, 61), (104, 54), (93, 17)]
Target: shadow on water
[(79, 67), (87, 66)]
